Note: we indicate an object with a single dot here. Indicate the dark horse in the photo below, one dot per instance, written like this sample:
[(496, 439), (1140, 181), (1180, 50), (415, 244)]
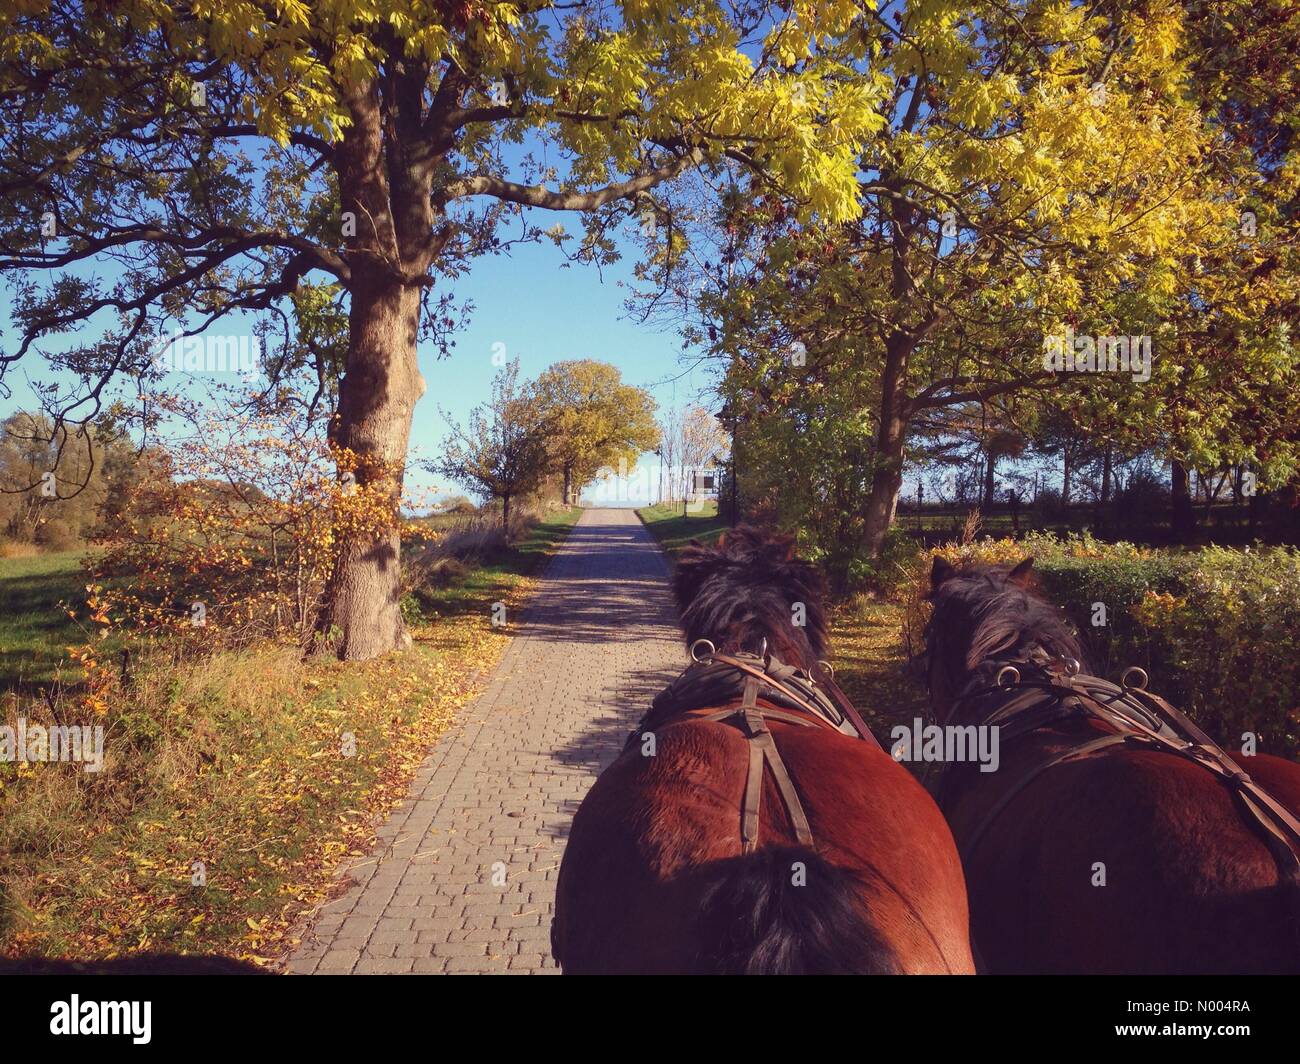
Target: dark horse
[(743, 829), (1114, 837)]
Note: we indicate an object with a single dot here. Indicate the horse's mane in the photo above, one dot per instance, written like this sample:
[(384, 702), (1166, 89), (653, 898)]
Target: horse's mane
[(745, 589), (991, 610)]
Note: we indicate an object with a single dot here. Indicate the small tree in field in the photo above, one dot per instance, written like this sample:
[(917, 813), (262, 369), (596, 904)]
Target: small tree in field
[(502, 454), (700, 439), (596, 420)]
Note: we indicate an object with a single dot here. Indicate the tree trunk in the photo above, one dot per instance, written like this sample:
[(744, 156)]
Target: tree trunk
[(377, 398), (1183, 515), (1103, 498), (891, 436), (392, 242), (568, 482), (505, 516), (990, 483), (895, 412), (1065, 480)]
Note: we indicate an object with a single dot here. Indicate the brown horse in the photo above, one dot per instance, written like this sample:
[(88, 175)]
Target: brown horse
[(1114, 837), (743, 830)]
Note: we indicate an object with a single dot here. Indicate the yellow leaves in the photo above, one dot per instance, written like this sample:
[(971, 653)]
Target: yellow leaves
[(354, 59), (31, 48), (977, 100)]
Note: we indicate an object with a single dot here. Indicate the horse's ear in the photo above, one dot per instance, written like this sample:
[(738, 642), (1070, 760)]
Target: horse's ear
[(1020, 574), (941, 572)]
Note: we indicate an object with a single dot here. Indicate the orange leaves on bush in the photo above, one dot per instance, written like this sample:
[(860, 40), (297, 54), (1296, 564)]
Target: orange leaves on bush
[(234, 535)]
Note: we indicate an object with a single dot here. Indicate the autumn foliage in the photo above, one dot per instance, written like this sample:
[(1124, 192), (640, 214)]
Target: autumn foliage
[(233, 536)]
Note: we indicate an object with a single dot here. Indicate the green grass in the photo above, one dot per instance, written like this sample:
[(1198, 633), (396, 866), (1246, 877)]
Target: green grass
[(233, 760), (501, 569), (34, 628), (871, 665), (674, 530)]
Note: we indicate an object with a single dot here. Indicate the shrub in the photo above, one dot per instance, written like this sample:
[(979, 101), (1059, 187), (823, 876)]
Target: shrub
[(1049, 503), (1143, 502), (56, 535), (891, 571), (1214, 628), (234, 539)]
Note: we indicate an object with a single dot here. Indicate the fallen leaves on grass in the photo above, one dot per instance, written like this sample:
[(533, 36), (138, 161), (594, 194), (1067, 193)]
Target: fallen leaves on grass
[(238, 826)]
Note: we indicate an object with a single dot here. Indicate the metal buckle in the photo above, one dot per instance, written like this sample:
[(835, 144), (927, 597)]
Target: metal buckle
[(695, 646), (1140, 679)]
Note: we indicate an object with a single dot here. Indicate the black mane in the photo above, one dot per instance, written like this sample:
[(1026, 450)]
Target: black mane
[(988, 611), (745, 589)]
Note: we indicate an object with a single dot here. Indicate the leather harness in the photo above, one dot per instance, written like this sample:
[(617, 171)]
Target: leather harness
[(788, 694), (1055, 692)]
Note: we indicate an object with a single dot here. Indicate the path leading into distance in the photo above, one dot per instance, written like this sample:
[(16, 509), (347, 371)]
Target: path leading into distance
[(499, 789)]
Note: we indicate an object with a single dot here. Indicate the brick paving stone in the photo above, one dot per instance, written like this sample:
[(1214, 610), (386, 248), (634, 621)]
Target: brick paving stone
[(496, 794)]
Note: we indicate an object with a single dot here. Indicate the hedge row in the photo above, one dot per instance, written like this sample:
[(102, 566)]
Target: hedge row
[(1215, 628)]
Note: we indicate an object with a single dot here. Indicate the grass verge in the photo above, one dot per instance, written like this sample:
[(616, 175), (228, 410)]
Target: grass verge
[(33, 629), (674, 530), (234, 787)]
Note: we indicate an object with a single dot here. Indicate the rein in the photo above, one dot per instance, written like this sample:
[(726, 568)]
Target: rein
[(783, 677), (1055, 690)]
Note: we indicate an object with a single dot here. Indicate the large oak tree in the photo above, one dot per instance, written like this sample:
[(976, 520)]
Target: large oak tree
[(169, 165)]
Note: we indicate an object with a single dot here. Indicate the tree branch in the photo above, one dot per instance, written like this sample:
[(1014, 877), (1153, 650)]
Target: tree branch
[(540, 196)]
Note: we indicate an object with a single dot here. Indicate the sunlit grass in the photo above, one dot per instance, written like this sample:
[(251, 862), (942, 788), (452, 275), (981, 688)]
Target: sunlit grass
[(674, 530), (238, 766), (33, 629)]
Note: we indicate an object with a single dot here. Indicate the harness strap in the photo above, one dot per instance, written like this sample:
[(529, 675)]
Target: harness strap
[(750, 718), (783, 683), (798, 818), (1281, 829), (829, 708), (1157, 725), (752, 809)]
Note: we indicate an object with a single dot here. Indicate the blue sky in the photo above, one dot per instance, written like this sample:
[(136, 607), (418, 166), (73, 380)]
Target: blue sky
[(540, 310), (543, 313)]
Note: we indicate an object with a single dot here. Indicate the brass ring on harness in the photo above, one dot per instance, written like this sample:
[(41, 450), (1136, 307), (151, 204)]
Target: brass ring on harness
[(1008, 677)]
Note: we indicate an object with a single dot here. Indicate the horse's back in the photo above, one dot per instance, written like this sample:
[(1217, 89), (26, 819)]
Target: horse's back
[(669, 809), (1133, 861)]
